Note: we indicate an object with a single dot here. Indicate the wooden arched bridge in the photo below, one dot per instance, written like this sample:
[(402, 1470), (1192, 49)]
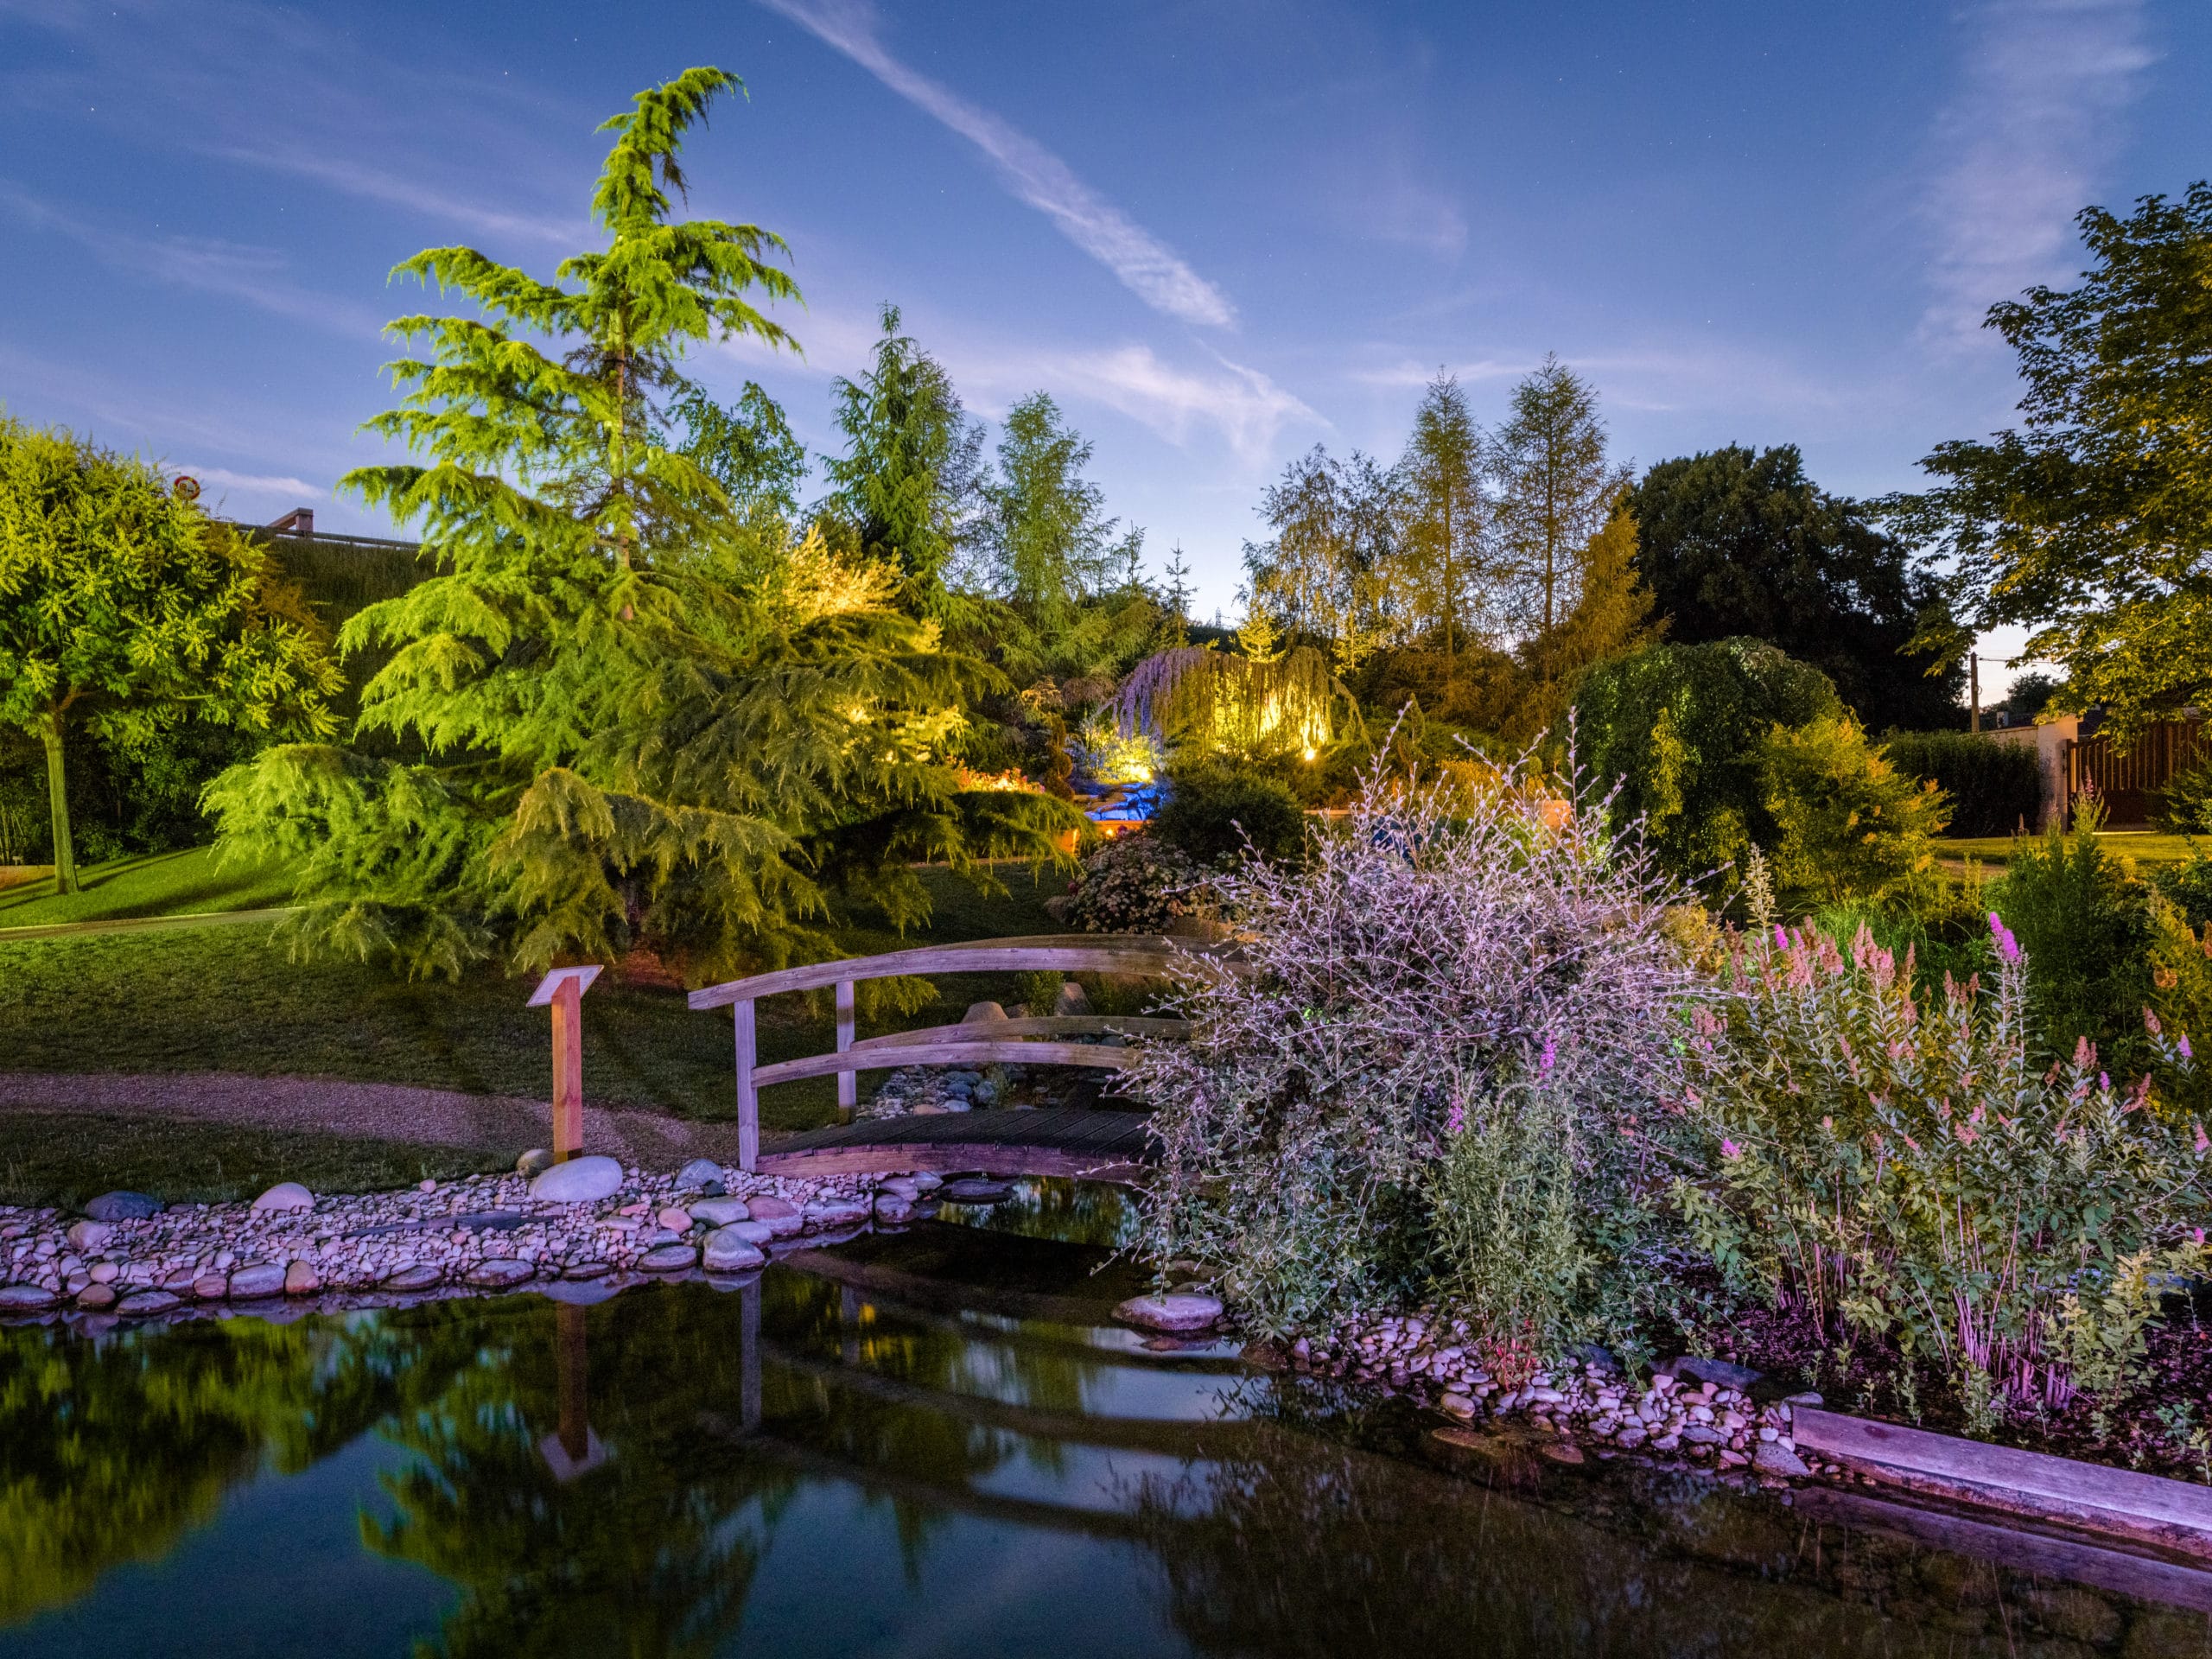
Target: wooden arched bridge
[(1105, 1145)]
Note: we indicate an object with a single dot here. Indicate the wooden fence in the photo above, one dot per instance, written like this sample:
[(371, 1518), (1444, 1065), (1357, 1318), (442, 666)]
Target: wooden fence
[(2129, 784)]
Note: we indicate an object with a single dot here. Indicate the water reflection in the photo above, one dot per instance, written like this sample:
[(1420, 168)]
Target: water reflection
[(811, 1463)]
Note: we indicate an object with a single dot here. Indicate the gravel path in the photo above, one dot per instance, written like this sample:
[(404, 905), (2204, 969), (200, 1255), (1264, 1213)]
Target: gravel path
[(368, 1111)]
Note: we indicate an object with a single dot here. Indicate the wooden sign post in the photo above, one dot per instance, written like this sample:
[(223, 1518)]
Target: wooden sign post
[(562, 990)]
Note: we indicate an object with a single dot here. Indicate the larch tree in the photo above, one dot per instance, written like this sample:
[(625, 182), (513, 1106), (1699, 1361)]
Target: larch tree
[(125, 609), (1556, 489), (2091, 525), (1048, 537), (748, 447), (623, 714), (1445, 538)]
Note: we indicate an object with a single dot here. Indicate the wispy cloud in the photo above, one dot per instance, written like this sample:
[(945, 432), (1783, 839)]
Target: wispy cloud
[(209, 264), (2035, 120), (1242, 406), (291, 489), (374, 184), (1145, 265)]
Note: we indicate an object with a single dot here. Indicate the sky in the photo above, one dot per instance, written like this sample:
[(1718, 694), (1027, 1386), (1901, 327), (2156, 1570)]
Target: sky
[(1217, 233)]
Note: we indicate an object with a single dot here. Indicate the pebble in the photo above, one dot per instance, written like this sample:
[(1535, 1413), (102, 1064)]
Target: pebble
[(285, 1196), (675, 1220), (90, 1236), (699, 1173), (498, 1272), (1174, 1312)]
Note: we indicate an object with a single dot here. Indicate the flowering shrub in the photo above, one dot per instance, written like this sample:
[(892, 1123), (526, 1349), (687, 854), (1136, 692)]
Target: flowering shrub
[(1456, 1009), (1135, 883), (1907, 1174)]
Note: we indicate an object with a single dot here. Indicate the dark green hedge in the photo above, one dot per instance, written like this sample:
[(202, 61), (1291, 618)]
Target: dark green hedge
[(1994, 787)]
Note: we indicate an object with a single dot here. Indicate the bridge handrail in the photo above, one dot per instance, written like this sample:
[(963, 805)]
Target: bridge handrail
[(1128, 953)]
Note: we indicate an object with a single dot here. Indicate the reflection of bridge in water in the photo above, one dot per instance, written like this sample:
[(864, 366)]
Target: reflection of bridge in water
[(1103, 1145)]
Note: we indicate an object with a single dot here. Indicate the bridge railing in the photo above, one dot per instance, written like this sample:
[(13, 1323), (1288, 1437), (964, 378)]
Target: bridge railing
[(1017, 1042)]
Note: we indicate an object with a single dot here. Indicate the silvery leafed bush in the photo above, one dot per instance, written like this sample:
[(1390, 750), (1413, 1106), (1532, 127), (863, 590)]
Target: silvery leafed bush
[(1440, 1076)]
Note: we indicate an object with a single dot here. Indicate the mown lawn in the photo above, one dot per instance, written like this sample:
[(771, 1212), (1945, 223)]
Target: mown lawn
[(229, 1000), (2144, 846), (157, 884)]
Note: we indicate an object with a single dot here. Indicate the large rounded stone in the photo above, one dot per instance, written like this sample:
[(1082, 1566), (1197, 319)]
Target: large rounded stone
[(261, 1278), (95, 1297), (755, 1233), (698, 1173), (210, 1286), (668, 1258), (728, 1251), (498, 1272), (720, 1212), (890, 1207), (1181, 1311), (977, 1191), (536, 1161), (302, 1280), (123, 1206), (141, 1304), (782, 1216), (833, 1213), (283, 1197), (91, 1236), (588, 1270), (421, 1276), (1778, 1460), (898, 1187), (26, 1299), (581, 1180)]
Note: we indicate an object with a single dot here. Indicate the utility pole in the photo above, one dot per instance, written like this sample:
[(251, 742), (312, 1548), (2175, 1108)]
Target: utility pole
[(1973, 680)]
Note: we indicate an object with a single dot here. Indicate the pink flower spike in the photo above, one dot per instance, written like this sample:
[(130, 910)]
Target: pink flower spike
[(1730, 1149), (1456, 1120), (2008, 948), (2104, 1081), (1781, 938), (1551, 1053), (2183, 1046), (2204, 1144)]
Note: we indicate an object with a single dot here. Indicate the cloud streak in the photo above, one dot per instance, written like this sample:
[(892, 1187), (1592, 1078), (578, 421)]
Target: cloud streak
[(1145, 265), (2036, 119)]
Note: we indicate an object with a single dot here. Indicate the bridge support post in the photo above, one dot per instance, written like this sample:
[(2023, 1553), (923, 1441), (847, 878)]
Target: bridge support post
[(848, 1092), (749, 1097)]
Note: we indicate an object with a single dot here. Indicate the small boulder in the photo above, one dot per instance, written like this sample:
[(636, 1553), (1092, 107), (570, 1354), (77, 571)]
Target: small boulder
[(1457, 1405), (210, 1286), (1176, 1312), (925, 1181), (782, 1216), (581, 1180), (261, 1278), (1770, 1459), (90, 1236), (728, 1249), (26, 1299), (421, 1276), (497, 1272), (833, 1213), (536, 1161), (285, 1196), (96, 1297), (977, 1191), (142, 1303), (123, 1206), (698, 1173), (898, 1187), (1719, 1372), (588, 1270), (668, 1258), (755, 1233), (675, 1220), (718, 1212), (1073, 1002), (890, 1207), (301, 1279), (982, 1013)]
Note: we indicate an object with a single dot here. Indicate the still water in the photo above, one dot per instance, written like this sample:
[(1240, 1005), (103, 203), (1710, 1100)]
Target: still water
[(921, 1443)]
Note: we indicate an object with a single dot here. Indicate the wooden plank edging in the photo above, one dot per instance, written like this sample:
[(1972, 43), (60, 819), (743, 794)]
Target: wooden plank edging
[(2176, 1514)]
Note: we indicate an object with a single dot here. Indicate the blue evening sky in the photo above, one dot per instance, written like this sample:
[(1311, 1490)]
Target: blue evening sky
[(1218, 233)]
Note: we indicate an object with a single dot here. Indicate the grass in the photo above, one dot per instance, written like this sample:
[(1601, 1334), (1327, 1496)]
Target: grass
[(2144, 846), (65, 1158), (229, 1000), (154, 884)]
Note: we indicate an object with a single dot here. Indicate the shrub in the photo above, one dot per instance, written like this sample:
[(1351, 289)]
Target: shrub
[(1684, 729), (2187, 886), (2184, 807), (1993, 788), (1850, 825), (1453, 1012), (1214, 808), (1135, 883), (1908, 1174), (2087, 928)]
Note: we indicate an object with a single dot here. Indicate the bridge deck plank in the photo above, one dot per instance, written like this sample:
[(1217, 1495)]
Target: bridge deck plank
[(1060, 1140)]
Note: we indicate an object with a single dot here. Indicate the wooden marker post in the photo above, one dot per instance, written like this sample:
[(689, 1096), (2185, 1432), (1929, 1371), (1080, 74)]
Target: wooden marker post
[(562, 990)]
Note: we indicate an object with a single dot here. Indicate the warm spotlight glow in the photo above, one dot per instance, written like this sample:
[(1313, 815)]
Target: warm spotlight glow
[(1310, 753)]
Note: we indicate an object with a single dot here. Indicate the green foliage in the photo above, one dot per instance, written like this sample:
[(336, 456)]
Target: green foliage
[(1908, 1174), (1445, 520), (125, 612), (1136, 883), (2087, 928), (2184, 806), (749, 450), (624, 713), (2187, 884), (1684, 729), (1215, 809), (1851, 825), (1734, 543), (1556, 489), (905, 489), (1992, 788), (2093, 525)]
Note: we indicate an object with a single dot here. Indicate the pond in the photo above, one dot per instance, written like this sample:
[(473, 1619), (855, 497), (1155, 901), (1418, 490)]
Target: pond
[(916, 1443)]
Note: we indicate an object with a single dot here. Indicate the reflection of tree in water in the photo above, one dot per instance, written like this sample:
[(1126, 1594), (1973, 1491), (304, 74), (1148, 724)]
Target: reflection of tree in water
[(1053, 1206), (1334, 1550), (112, 1451)]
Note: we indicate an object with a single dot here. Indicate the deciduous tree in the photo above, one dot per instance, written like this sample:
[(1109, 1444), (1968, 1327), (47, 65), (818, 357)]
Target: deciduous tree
[(1555, 490)]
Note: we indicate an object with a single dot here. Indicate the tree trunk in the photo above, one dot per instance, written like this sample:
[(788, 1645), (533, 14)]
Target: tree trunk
[(57, 800)]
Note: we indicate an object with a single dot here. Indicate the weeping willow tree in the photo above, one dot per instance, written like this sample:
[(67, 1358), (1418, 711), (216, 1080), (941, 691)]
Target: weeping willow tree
[(1212, 701), (625, 713)]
